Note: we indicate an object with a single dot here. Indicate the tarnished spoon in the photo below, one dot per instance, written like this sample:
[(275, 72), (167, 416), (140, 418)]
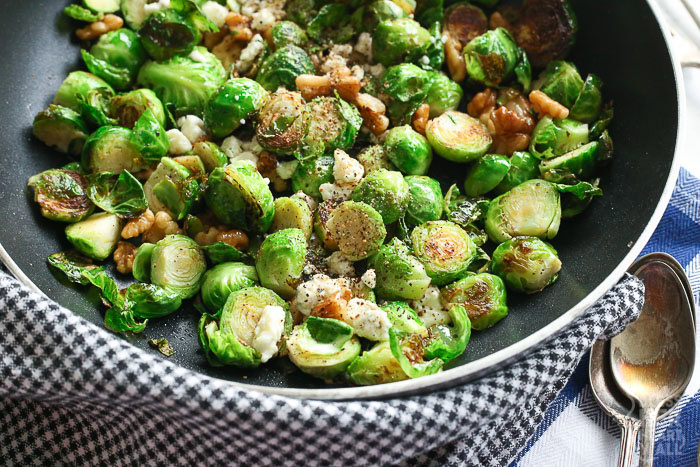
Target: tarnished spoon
[(652, 360)]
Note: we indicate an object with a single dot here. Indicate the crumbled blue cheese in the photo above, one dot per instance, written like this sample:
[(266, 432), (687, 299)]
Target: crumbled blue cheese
[(192, 127), (179, 144), (339, 265), (333, 191), (286, 169), (255, 47), (198, 56), (316, 290), (238, 150), (155, 6), (263, 19), (347, 172), (368, 320), (268, 331), (215, 13), (430, 309), (369, 278), (364, 45)]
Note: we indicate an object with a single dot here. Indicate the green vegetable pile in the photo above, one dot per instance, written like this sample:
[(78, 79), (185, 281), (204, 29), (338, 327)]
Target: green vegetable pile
[(368, 264)]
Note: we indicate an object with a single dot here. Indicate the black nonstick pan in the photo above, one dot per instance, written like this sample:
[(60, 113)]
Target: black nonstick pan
[(621, 41)]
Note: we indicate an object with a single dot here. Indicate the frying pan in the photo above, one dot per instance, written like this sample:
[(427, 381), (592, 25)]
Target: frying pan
[(621, 41)]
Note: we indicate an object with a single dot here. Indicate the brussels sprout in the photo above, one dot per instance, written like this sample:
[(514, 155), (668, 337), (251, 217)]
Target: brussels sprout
[(94, 109), (532, 208), (194, 165), (330, 25), (280, 261), (491, 58), (458, 137), (408, 150), (78, 84), (221, 252), (573, 166), (102, 6), (167, 33), (116, 58), (282, 68), (373, 158), (211, 155), (112, 149), (409, 351), (378, 12), (589, 103), (121, 195), (283, 123), (443, 95), (448, 344), (385, 191), (233, 103), (358, 228), (464, 22), (486, 174), (222, 280), (321, 218), (151, 301), (445, 250), (171, 188), (120, 315), (129, 108), (464, 211), (142, 262), (182, 83), (526, 264), (334, 125), (323, 347), (376, 366), (399, 39), (96, 236), (554, 137), (404, 319), (399, 274), (406, 83), (482, 295), (60, 128), (311, 173), (134, 12), (425, 201), (72, 265), (154, 140), (523, 166), (576, 198), (178, 265), (80, 13), (560, 81), (293, 213), (285, 33), (240, 197)]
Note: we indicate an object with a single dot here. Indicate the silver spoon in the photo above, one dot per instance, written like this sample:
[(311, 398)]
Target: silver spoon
[(652, 360)]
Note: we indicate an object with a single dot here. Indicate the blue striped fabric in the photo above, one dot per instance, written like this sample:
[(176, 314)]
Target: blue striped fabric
[(677, 438)]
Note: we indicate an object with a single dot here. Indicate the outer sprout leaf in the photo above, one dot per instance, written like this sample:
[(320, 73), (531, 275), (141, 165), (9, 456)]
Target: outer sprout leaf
[(119, 78), (123, 196), (151, 301), (221, 252), (82, 14), (450, 343), (224, 348), (414, 366), (576, 198), (73, 265), (120, 316), (328, 330), (152, 136), (162, 345)]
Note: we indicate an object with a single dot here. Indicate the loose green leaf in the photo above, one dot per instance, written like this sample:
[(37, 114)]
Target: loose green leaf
[(576, 198), (192, 9), (122, 195), (152, 136), (462, 210), (447, 343), (82, 14), (73, 265), (162, 345), (221, 252), (119, 78), (119, 316), (327, 330)]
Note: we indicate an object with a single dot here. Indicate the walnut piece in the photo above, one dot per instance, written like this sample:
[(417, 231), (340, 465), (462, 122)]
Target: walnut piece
[(236, 238), (239, 25), (94, 30), (124, 257), (141, 224), (267, 166), (455, 60), (420, 118), (545, 106), (163, 225)]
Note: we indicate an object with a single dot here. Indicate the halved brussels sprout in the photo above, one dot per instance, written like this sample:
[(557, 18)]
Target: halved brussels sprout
[(311, 173), (96, 236), (94, 109), (240, 197), (443, 95), (399, 274), (142, 262), (464, 22), (182, 83), (376, 366), (323, 347), (211, 155), (532, 208), (280, 261), (128, 108), (73, 265), (293, 213), (321, 218), (178, 265), (492, 58), (378, 12), (486, 174), (60, 128), (526, 264), (589, 103), (560, 81), (374, 158), (282, 68), (193, 164), (285, 33), (61, 195), (283, 123), (167, 33), (334, 125), (385, 191), (78, 84), (409, 350), (396, 40), (113, 149), (575, 165), (102, 6), (171, 188), (153, 138), (222, 280), (482, 295), (523, 167), (448, 344), (445, 250), (458, 137), (408, 150), (151, 301), (554, 137), (358, 228), (121, 195), (116, 58), (425, 201), (134, 12), (236, 101), (404, 319), (406, 83)]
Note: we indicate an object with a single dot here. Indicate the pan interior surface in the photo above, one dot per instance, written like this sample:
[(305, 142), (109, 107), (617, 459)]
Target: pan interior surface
[(626, 50)]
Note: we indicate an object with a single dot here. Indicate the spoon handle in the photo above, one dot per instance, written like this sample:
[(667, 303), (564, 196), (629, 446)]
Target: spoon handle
[(628, 441), (646, 448)]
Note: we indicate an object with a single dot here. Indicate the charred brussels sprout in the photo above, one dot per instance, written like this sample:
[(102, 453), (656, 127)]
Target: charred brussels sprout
[(376, 366), (95, 236), (398, 39), (60, 128), (523, 167), (280, 261), (121, 195), (167, 33), (573, 166), (526, 264), (222, 280), (285, 33), (240, 197), (311, 173), (410, 351), (238, 100), (560, 81), (486, 174), (399, 274), (532, 208), (357, 228), (128, 108), (464, 22), (554, 137), (113, 149), (282, 68), (151, 301), (458, 137), (482, 295), (494, 57), (445, 250), (425, 201), (171, 188), (76, 86), (61, 195), (178, 265), (283, 123), (183, 83), (374, 158), (293, 213), (334, 125), (443, 95), (385, 191), (116, 58), (408, 150)]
